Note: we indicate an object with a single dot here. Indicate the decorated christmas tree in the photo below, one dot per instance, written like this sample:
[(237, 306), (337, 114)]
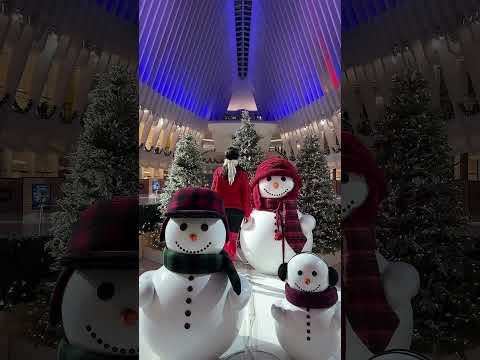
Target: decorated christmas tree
[(185, 170), (422, 220), (317, 196), (246, 140), (105, 163)]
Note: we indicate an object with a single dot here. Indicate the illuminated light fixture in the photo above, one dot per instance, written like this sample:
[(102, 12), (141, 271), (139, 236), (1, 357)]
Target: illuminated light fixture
[(207, 140), (275, 140), (323, 122)]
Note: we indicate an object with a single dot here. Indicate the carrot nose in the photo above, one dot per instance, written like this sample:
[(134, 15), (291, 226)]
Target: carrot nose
[(275, 185), (193, 237), (129, 317), (307, 281)]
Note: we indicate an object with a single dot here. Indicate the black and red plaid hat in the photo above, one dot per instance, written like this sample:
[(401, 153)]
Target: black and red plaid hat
[(195, 202), (106, 236)]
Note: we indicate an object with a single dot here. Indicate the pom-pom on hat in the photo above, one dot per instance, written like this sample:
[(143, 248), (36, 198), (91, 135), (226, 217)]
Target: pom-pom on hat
[(276, 166)]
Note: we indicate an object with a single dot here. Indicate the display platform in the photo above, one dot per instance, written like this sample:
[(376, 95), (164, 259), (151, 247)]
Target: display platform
[(257, 339)]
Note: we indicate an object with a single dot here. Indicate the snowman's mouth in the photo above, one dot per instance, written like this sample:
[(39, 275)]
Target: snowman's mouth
[(193, 251), (302, 289), (284, 192), (107, 346)]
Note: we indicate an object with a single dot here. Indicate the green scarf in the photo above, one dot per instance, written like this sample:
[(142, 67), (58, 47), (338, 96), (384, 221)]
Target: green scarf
[(67, 351), (202, 264)]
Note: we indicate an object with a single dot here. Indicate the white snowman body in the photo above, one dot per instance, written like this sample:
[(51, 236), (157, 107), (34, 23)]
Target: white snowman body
[(400, 280), (399, 355), (96, 307), (191, 316), (308, 333), (257, 236)]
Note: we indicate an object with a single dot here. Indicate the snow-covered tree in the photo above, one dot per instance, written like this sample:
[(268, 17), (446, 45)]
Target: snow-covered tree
[(422, 221), (317, 196), (246, 140), (185, 169), (105, 163)]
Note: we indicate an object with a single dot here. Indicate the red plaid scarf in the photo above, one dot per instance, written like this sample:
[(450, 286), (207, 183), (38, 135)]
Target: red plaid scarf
[(367, 309), (315, 300), (288, 225)]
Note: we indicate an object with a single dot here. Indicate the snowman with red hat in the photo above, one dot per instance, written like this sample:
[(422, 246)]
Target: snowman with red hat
[(276, 229), (96, 295), (190, 307), (377, 293)]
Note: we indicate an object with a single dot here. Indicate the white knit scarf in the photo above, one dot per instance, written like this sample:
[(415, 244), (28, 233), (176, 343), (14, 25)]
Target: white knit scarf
[(231, 169)]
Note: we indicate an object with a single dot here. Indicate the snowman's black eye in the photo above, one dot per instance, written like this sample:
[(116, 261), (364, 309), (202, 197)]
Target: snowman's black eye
[(105, 291), (300, 272), (314, 273), (345, 177), (183, 227), (204, 227), (269, 178), (283, 178)]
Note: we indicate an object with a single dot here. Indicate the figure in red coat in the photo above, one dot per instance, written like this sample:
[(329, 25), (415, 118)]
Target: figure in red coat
[(231, 182)]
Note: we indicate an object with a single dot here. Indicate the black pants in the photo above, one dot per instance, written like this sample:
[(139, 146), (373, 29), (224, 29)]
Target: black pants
[(235, 218)]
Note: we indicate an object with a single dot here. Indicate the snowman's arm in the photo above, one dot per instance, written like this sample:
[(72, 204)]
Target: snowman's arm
[(146, 289), (248, 225), (401, 282), (307, 222), (238, 302), (278, 312)]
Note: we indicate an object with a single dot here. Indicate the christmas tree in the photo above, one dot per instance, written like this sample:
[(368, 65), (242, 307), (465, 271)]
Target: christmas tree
[(185, 170), (317, 196), (246, 140), (422, 220), (105, 163)]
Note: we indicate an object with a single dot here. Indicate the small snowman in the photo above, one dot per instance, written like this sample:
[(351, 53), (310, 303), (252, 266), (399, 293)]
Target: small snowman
[(399, 355), (276, 230), (190, 307), (96, 294), (377, 293), (308, 321)]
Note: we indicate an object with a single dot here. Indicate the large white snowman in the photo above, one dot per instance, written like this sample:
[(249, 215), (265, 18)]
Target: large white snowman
[(276, 230), (377, 293), (308, 321), (96, 295), (190, 307)]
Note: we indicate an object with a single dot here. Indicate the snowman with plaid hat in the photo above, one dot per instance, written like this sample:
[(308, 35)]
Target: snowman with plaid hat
[(190, 307), (96, 298)]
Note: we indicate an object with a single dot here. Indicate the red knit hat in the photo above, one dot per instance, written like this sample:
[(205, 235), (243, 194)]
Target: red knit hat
[(357, 158), (276, 166)]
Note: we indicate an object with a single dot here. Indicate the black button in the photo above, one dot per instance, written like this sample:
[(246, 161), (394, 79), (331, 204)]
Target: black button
[(123, 351), (131, 351), (190, 288), (187, 326), (308, 331), (188, 301), (308, 338), (308, 324), (276, 230), (188, 313), (100, 341), (114, 349), (89, 328), (191, 277), (308, 309), (93, 335), (308, 316)]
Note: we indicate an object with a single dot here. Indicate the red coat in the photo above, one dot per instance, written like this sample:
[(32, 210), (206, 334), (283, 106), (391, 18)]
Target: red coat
[(235, 196)]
